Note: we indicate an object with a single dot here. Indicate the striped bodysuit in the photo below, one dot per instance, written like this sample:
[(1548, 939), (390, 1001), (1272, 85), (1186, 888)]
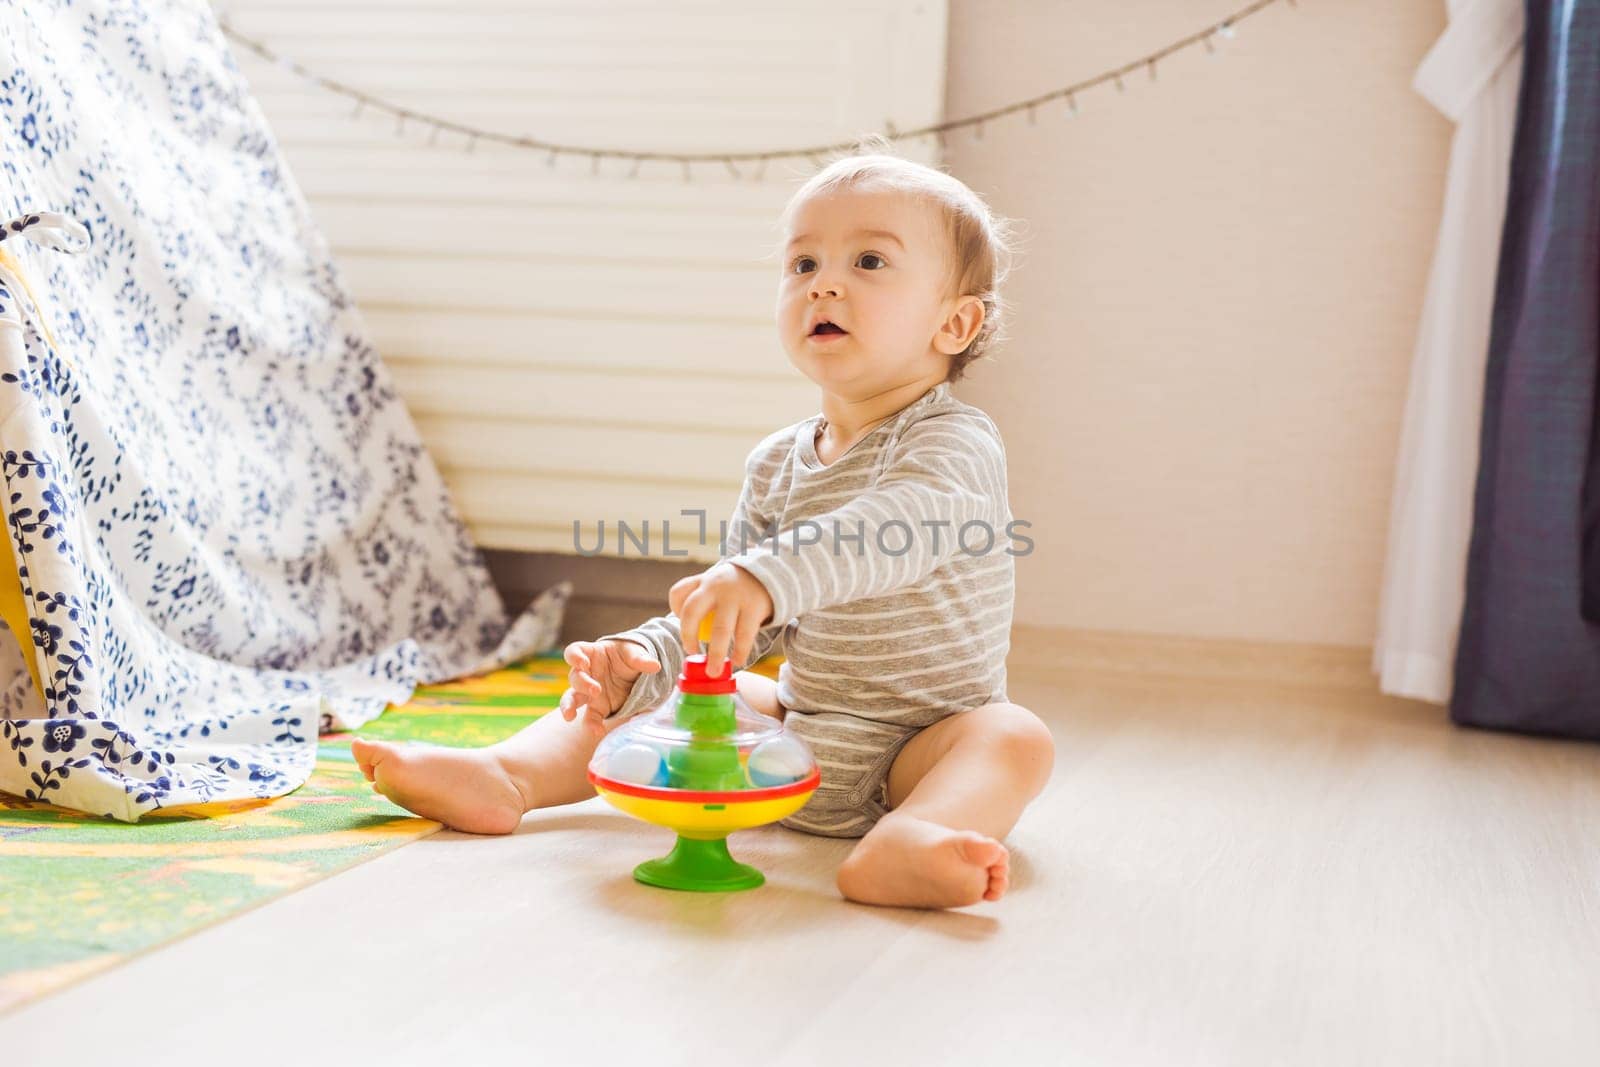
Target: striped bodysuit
[(892, 579)]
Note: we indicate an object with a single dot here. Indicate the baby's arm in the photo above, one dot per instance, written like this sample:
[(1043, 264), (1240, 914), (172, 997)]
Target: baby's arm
[(662, 636), (948, 471)]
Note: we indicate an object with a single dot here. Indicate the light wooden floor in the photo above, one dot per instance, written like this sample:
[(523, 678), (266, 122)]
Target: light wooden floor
[(1218, 874)]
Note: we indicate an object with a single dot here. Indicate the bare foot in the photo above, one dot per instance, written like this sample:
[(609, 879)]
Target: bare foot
[(464, 788), (913, 863)]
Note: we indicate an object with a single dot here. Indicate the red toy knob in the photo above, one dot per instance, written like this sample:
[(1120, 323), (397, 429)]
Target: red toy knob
[(695, 680)]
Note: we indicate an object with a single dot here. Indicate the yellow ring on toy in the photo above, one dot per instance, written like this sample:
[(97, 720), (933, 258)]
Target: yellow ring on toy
[(707, 822)]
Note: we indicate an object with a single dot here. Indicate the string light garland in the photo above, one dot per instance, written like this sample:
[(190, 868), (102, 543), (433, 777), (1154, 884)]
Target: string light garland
[(756, 162)]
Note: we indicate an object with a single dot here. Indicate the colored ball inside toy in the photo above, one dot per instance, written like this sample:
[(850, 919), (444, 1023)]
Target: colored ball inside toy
[(637, 764), (779, 761)]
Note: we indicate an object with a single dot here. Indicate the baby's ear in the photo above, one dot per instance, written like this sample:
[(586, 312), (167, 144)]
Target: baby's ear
[(963, 320)]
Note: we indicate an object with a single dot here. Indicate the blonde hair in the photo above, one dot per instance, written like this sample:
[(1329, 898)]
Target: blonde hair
[(980, 240)]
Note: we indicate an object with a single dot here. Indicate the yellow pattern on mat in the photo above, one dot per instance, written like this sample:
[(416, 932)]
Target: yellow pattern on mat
[(79, 894)]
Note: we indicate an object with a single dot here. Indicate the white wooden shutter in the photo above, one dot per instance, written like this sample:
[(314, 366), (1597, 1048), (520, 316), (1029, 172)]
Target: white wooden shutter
[(578, 347)]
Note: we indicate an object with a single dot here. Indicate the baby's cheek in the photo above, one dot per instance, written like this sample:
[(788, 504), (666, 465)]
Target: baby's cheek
[(898, 324), (790, 313)]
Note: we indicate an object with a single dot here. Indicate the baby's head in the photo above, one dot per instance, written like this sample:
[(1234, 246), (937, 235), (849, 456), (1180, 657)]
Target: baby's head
[(891, 275)]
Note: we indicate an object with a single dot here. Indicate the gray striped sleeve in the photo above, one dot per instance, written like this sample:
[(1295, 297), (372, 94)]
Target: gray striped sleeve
[(947, 471), (662, 637)]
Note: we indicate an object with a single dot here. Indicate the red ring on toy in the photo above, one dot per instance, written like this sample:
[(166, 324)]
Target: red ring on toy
[(712, 796)]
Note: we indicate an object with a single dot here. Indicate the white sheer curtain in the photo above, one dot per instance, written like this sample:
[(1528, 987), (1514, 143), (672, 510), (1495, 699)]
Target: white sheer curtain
[(1472, 74)]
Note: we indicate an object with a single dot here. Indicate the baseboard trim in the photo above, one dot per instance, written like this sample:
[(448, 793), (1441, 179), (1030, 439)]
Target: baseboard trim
[(1069, 650), (612, 594)]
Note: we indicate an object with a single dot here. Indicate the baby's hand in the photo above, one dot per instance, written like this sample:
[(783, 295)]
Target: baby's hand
[(602, 676), (738, 604)]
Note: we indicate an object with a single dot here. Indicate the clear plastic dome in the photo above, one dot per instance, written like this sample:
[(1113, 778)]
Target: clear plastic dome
[(704, 739)]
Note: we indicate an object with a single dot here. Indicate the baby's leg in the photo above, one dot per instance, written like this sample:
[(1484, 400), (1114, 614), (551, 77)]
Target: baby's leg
[(760, 692), (488, 790), (954, 791), (485, 790)]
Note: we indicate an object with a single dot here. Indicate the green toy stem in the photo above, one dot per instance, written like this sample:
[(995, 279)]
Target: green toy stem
[(707, 762), (699, 866)]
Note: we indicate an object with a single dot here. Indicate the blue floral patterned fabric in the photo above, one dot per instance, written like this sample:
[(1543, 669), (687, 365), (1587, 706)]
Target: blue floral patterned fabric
[(227, 530)]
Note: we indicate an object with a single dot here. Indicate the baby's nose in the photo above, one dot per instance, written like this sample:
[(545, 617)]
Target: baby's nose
[(825, 287)]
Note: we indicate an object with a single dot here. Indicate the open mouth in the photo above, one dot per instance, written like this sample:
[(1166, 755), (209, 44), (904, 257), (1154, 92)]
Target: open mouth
[(823, 329)]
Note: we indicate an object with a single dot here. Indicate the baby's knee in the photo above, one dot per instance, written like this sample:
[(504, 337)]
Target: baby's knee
[(1022, 737), (760, 692)]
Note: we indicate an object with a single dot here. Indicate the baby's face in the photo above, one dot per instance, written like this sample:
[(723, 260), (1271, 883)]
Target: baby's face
[(874, 265)]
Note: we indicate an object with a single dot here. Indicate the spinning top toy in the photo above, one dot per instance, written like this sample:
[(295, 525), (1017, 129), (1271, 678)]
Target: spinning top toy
[(703, 764)]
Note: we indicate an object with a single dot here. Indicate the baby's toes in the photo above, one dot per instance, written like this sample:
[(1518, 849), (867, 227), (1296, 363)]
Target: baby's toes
[(981, 851), (368, 755), (999, 881)]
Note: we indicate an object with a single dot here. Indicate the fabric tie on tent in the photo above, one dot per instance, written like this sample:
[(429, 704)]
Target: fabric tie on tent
[(50, 229)]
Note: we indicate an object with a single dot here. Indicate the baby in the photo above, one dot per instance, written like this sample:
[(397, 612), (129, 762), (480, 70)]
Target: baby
[(888, 585)]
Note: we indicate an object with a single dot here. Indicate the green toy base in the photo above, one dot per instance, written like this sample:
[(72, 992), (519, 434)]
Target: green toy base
[(700, 866)]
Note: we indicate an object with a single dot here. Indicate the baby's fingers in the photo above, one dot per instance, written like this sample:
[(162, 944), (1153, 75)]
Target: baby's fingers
[(582, 681), (744, 636), (680, 591), (722, 629), (576, 655), (690, 616), (640, 660), (569, 705)]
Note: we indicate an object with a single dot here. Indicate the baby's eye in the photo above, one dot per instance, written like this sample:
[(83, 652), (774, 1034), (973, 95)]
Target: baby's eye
[(871, 261), (802, 264)]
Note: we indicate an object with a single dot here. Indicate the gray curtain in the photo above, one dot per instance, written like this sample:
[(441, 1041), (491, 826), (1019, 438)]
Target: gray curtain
[(1528, 658)]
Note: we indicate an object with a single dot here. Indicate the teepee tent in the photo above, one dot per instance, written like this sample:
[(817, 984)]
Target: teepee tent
[(223, 530)]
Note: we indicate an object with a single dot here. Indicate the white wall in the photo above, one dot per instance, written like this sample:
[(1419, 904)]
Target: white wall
[(1215, 311), (580, 346)]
